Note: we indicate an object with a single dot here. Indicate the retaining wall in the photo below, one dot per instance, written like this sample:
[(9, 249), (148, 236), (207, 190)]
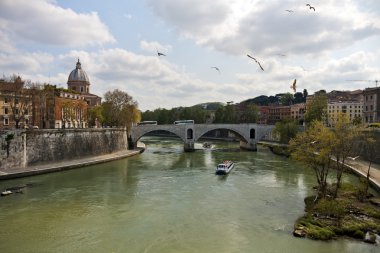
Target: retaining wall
[(37, 146)]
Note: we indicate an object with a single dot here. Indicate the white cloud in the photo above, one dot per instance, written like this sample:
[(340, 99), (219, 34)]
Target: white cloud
[(154, 46), (264, 27), (43, 22)]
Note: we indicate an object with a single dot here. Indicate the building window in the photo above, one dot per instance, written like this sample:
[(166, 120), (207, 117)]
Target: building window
[(81, 89), (6, 121), (5, 100), (6, 110)]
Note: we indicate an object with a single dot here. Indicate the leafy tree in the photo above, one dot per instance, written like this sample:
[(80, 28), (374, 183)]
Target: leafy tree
[(286, 99), (286, 129), (298, 98), (305, 94), (96, 114), (250, 114), (345, 136), (225, 114), (117, 108), (273, 100), (357, 120), (316, 109), (314, 149)]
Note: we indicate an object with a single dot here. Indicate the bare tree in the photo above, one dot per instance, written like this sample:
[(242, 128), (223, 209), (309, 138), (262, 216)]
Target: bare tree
[(18, 94)]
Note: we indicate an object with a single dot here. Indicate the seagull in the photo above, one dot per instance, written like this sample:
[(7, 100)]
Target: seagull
[(313, 142), (310, 7), (294, 85), (216, 68), (160, 54), (289, 10), (353, 158), (256, 61)]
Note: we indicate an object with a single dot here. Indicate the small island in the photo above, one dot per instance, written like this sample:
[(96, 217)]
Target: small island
[(347, 215), (337, 209)]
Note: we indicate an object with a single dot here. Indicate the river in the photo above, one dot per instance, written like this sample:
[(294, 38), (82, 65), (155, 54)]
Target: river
[(165, 200)]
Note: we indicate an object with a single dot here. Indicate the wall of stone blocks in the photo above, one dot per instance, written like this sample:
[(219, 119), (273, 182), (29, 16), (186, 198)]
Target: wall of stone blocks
[(38, 146)]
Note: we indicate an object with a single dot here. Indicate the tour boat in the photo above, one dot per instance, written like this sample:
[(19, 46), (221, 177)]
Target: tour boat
[(224, 168)]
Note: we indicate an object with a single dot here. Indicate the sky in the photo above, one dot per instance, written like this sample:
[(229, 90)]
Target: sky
[(335, 47)]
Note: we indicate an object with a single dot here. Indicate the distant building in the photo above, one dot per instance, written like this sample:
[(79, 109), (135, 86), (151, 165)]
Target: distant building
[(371, 105), (47, 106), (78, 81), (297, 112), (352, 109)]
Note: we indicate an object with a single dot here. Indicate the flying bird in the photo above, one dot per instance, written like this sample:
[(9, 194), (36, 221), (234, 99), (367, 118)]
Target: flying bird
[(256, 61), (353, 158), (310, 7), (294, 85), (289, 10), (216, 68), (160, 54)]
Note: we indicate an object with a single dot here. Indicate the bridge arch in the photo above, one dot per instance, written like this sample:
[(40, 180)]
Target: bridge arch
[(240, 135), (140, 131)]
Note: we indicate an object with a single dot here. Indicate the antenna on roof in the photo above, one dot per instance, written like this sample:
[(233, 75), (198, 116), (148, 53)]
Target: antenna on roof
[(376, 81)]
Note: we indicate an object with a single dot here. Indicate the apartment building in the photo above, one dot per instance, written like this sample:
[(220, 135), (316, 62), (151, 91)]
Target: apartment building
[(371, 105), (352, 109)]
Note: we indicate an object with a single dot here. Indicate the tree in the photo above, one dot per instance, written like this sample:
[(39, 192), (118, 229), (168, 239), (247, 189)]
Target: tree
[(96, 115), (225, 114), (345, 136), (371, 151), (313, 148), (316, 109), (286, 99), (287, 129), (117, 107), (250, 114), (304, 95), (17, 93), (298, 98)]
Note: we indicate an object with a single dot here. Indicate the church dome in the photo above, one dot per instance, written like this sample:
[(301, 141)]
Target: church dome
[(78, 74)]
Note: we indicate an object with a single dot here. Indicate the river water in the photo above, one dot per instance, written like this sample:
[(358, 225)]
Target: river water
[(165, 200)]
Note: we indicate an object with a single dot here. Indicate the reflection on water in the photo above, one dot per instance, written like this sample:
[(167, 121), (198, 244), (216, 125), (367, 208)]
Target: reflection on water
[(165, 200)]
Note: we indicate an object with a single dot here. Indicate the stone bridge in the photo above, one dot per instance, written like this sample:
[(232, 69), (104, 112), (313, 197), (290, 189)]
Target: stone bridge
[(249, 134)]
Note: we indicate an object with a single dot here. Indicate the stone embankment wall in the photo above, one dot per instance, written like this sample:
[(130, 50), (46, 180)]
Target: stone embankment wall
[(32, 147)]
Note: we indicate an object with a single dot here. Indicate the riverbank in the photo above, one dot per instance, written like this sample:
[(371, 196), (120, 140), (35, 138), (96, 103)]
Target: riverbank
[(10, 173)]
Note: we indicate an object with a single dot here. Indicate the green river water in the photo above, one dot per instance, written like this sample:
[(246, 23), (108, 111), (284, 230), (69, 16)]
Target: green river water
[(165, 200)]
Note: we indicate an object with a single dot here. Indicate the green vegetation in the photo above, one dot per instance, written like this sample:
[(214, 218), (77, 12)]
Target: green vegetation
[(337, 209), (345, 215), (286, 129), (119, 109), (316, 108)]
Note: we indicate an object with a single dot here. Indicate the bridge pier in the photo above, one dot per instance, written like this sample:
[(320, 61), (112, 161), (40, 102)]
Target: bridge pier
[(252, 145), (188, 147)]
